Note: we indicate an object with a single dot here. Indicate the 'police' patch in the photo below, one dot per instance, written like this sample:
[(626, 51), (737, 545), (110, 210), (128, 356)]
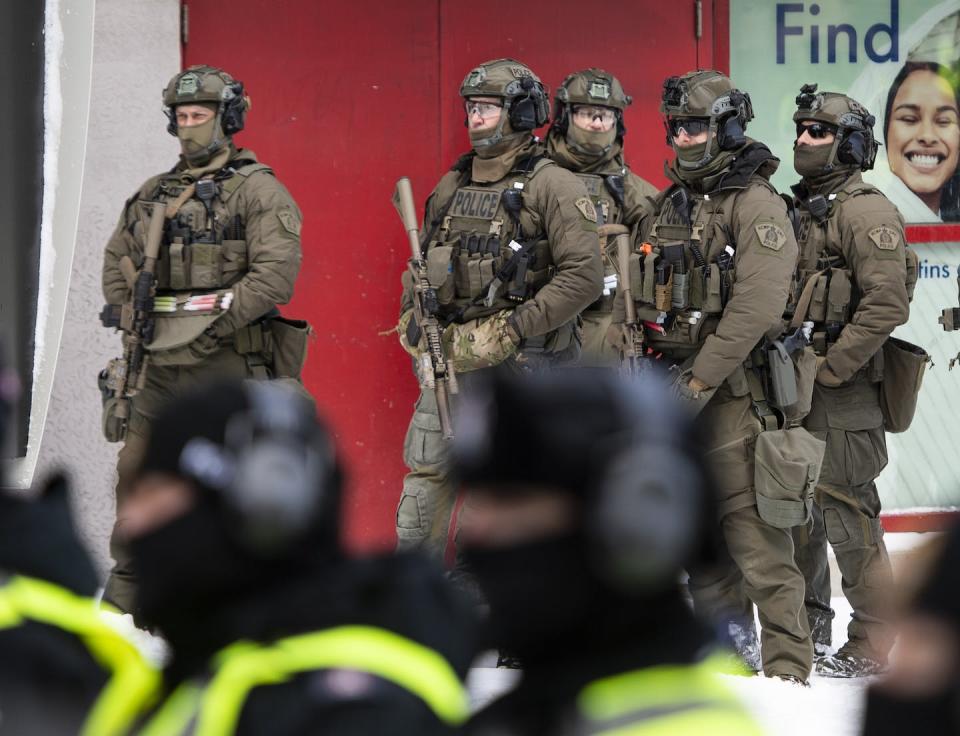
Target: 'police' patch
[(771, 236), (291, 223), (586, 208), (481, 204), (884, 237)]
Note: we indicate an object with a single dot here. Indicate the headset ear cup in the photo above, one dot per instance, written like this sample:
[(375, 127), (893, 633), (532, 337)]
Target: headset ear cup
[(171, 114), (645, 524), (731, 135), (853, 149), (523, 114)]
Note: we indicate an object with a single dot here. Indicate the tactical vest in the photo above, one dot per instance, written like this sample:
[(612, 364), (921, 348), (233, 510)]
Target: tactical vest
[(682, 274), (132, 683), (834, 297), (204, 248), (607, 193), (667, 700), (488, 256), (213, 707)]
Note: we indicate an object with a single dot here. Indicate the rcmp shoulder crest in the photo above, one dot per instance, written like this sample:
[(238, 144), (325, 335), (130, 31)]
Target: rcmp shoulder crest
[(884, 237), (771, 236), (586, 208)]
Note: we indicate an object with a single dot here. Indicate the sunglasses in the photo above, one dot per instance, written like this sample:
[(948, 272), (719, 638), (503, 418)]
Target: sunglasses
[(815, 130), (691, 126)]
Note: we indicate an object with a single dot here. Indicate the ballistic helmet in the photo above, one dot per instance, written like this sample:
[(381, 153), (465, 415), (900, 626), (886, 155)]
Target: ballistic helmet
[(853, 143), (525, 98)]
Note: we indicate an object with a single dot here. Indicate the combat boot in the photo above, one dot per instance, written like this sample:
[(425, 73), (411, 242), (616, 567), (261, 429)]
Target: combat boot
[(793, 680), (848, 662)]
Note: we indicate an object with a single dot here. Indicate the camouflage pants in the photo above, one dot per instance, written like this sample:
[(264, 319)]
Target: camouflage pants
[(164, 384), (847, 515), (762, 556)]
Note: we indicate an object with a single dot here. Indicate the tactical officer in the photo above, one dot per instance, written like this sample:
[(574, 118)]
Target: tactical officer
[(587, 496), (62, 668), (232, 522), (229, 254), (587, 137), (510, 239), (852, 286), (710, 277)]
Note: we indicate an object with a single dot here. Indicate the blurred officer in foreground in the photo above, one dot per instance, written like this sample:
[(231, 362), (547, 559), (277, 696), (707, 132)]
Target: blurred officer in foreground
[(922, 692), (853, 287), (587, 137), (587, 496), (233, 528), (63, 670)]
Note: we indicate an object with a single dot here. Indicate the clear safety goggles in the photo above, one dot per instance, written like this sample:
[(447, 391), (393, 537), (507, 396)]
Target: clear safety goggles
[(589, 113), (483, 109)]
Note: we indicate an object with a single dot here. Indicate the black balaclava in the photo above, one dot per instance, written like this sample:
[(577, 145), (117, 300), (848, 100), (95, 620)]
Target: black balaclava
[(199, 564)]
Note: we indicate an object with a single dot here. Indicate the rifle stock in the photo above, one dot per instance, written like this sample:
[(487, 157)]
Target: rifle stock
[(436, 372)]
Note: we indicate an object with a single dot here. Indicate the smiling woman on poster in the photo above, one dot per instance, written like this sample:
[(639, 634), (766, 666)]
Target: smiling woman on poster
[(920, 125), (922, 135)]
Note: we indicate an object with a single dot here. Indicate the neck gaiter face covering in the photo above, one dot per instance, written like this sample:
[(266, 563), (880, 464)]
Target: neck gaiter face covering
[(810, 161), (197, 142)]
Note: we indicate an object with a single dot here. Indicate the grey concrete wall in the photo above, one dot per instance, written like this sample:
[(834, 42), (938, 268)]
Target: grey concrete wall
[(136, 51)]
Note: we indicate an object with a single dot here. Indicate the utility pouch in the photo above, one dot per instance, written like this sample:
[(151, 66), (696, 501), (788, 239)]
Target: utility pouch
[(461, 274), (712, 299), (903, 368), (234, 263), (817, 312), (838, 296), (663, 293), (805, 369), (288, 343), (698, 287), (440, 272), (681, 291), (205, 265), (786, 470)]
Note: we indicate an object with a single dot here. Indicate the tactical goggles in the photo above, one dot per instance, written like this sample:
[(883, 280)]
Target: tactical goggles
[(690, 126), (589, 113), (815, 130), (483, 109)]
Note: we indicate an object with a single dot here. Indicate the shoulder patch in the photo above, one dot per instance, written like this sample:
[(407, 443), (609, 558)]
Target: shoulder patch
[(884, 237), (771, 236), (586, 208), (291, 223)]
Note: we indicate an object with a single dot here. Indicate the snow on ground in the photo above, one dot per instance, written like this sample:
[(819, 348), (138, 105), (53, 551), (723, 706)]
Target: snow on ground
[(830, 706)]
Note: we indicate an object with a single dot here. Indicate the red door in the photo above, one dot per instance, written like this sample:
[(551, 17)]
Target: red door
[(348, 97)]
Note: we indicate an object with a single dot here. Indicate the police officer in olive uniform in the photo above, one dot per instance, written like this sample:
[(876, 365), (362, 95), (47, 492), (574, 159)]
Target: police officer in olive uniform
[(852, 285), (710, 276), (587, 137), (588, 495), (510, 240), (230, 254)]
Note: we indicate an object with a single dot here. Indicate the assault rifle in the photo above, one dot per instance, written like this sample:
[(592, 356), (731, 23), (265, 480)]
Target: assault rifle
[(634, 350), (126, 375), (435, 371)]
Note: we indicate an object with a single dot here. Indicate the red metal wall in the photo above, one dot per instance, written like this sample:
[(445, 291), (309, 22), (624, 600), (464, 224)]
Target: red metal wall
[(348, 97)]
